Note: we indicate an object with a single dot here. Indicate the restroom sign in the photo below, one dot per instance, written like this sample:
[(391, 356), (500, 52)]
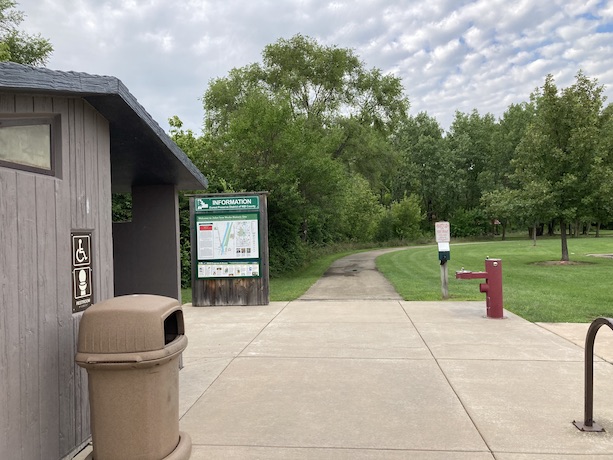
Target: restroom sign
[(82, 282)]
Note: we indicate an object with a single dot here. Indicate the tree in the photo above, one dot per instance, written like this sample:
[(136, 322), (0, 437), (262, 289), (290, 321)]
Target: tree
[(193, 146), (426, 169), (496, 180), (325, 81), (360, 211), (406, 217), (355, 109), (557, 152), (471, 143), (599, 201), (311, 125), (17, 46), (401, 221)]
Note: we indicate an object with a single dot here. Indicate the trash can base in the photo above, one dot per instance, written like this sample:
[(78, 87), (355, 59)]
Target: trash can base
[(183, 450)]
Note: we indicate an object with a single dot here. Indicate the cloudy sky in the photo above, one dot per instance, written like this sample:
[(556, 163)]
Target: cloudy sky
[(451, 54)]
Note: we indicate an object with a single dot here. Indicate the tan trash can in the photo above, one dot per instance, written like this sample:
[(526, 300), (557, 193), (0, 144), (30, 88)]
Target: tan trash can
[(130, 346)]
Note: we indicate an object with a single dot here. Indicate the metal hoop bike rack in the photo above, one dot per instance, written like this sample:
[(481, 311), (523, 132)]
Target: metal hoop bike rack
[(588, 422)]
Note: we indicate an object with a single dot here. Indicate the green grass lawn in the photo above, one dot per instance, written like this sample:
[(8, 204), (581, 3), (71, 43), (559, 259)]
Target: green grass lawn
[(186, 295), (533, 287)]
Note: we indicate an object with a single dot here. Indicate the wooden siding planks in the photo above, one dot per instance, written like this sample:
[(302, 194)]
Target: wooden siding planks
[(90, 169), (104, 268), (66, 392), (10, 375), (81, 415), (48, 363), (48, 359), (9, 311), (78, 174), (44, 410), (28, 314)]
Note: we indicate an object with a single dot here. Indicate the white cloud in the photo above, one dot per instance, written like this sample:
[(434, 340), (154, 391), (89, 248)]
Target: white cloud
[(579, 7), (450, 54), (606, 12), (576, 30), (164, 40)]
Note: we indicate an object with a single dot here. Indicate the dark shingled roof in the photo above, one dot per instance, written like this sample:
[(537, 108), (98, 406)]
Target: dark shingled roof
[(141, 152)]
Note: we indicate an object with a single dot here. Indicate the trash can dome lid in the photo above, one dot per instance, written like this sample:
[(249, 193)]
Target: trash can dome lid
[(126, 324)]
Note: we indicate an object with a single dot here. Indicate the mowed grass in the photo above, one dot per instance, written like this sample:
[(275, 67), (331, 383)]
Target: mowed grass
[(533, 286)]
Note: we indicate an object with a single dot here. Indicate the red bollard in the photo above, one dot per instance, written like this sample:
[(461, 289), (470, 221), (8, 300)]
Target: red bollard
[(492, 286)]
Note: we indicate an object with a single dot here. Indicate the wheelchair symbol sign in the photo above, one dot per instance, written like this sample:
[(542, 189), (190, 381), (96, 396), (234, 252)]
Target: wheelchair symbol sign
[(81, 250)]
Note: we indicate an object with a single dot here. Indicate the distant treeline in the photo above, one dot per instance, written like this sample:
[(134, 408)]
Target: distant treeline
[(343, 161)]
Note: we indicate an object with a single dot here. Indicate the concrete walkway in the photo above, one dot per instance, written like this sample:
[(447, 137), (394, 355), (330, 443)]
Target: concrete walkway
[(350, 371)]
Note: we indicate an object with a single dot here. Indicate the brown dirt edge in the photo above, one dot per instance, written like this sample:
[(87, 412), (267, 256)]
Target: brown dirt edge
[(572, 262), (549, 263)]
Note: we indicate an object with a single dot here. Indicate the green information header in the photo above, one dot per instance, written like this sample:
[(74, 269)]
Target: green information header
[(228, 203)]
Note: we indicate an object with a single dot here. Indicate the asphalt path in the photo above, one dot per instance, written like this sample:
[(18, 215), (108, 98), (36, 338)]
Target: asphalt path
[(354, 277)]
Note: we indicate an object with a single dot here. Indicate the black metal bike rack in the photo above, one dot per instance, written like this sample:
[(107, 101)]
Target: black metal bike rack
[(588, 423)]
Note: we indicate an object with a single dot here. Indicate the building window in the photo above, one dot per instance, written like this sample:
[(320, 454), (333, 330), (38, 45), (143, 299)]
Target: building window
[(30, 143)]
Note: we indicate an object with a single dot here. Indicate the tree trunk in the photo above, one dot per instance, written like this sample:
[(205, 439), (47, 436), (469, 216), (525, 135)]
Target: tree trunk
[(504, 230), (577, 228), (598, 230), (534, 235), (564, 241)]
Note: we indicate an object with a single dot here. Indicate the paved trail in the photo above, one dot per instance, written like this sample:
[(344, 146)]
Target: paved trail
[(354, 277)]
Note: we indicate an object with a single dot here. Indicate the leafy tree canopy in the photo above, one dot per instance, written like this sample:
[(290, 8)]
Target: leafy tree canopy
[(17, 46), (308, 123), (559, 149), (332, 143)]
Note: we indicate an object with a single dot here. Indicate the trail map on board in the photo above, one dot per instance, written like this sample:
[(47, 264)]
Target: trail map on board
[(227, 237)]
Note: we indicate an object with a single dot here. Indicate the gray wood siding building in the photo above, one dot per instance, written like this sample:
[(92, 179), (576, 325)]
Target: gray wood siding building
[(106, 142)]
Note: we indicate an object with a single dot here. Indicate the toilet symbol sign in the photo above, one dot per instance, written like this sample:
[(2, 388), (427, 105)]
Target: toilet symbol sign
[(82, 285)]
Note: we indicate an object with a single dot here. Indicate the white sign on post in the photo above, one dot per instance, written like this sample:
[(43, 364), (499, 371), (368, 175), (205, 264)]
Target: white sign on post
[(443, 247), (443, 232)]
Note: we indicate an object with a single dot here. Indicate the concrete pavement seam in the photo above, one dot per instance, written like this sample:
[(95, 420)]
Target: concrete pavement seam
[(232, 360), (449, 383), (357, 449), (571, 341)]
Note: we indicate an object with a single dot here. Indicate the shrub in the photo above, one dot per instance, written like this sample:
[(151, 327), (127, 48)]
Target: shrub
[(469, 222), (402, 221)]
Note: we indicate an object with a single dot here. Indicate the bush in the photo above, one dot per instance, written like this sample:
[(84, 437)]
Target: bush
[(469, 222), (286, 258), (361, 213), (385, 230), (402, 221)]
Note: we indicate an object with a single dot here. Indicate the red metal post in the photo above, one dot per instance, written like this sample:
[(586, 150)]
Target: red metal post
[(493, 288)]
